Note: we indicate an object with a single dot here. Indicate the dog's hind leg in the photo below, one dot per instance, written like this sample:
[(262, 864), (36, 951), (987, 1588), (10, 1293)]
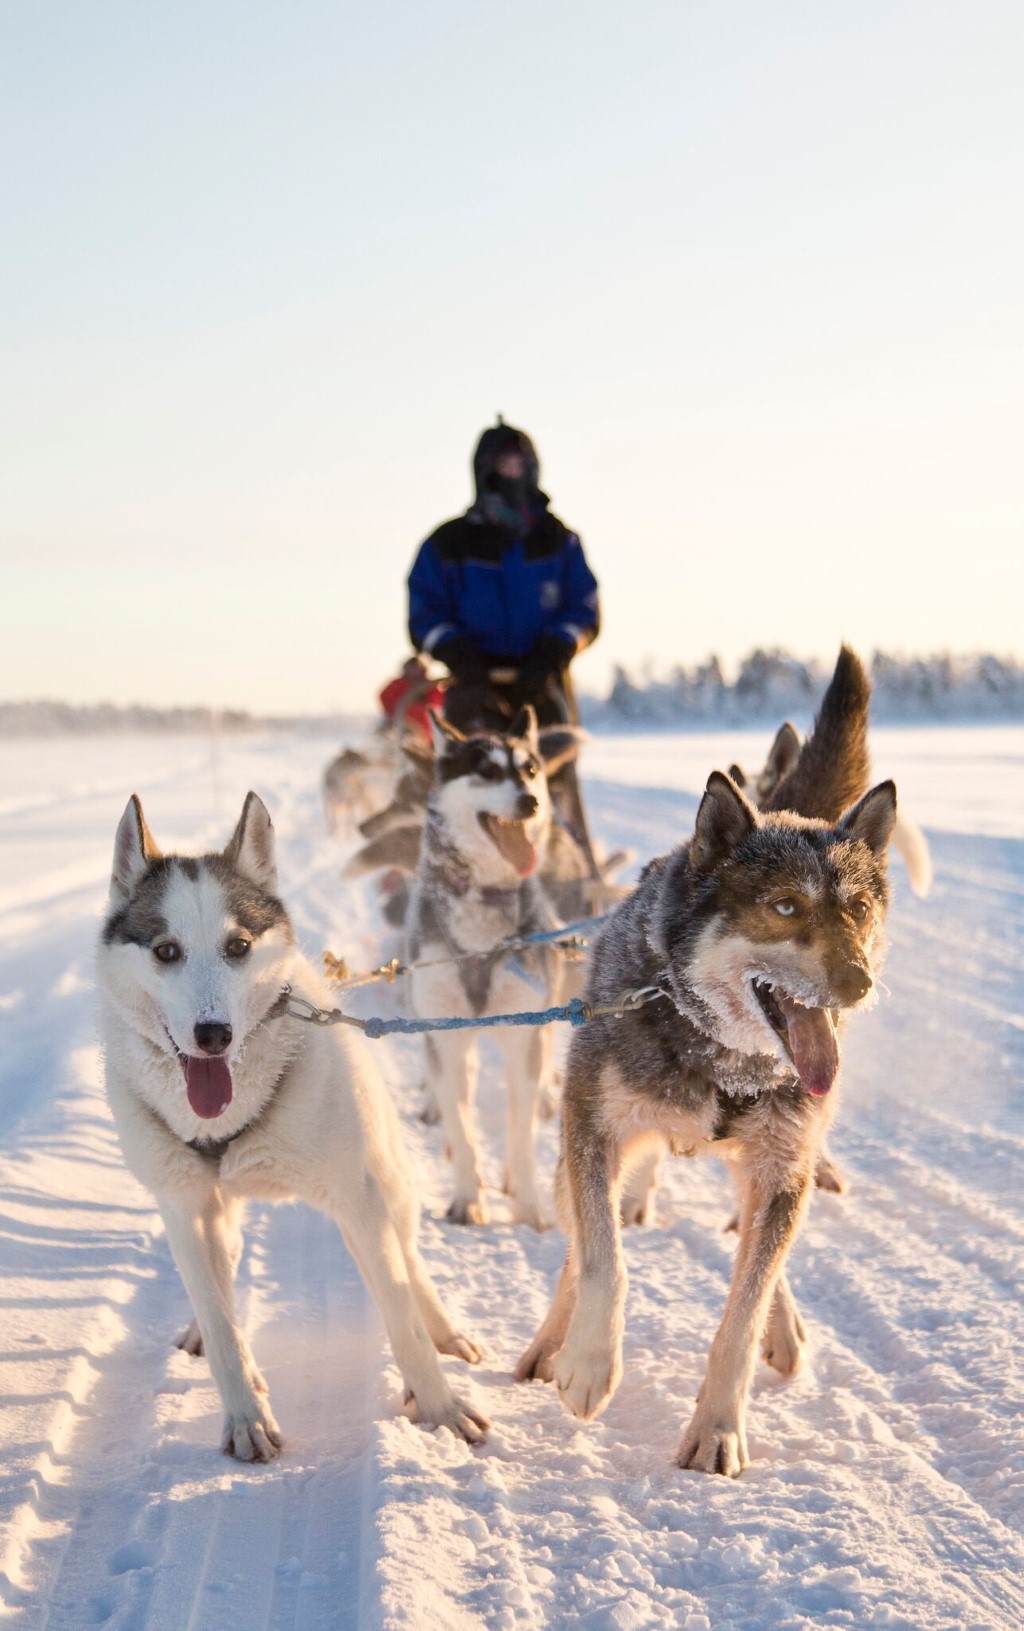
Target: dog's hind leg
[(201, 1247), (398, 1187), (191, 1340), (640, 1184), (782, 1345), (538, 1362), (370, 1233), (715, 1440), (524, 1056), (827, 1175), (450, 1063)]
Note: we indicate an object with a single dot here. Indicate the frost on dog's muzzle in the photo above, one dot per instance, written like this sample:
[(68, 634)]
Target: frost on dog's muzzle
[(207, 1083), (808, 1034)]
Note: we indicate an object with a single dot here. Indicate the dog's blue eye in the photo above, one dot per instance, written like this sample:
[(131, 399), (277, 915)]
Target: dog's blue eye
[(785, 907), (237, 947), (168, 951)]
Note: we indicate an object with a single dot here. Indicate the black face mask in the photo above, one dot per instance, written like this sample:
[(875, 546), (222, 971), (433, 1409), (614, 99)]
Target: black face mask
[(513, 490)]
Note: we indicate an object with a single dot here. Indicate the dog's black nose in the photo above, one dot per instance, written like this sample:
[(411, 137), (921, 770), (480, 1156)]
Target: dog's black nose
[(526, 806), (212, 1037), (852, 982)]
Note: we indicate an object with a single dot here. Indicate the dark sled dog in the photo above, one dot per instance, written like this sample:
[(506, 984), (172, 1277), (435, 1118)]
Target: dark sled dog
[(765, 931)]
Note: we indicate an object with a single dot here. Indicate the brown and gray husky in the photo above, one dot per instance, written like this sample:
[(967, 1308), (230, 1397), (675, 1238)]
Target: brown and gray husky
[(764, 931)]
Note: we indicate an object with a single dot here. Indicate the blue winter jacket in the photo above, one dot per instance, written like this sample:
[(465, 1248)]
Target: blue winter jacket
[(475, 580)]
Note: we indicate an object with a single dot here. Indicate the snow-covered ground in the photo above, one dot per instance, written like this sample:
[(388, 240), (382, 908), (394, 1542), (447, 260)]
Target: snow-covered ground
[(887, 1481)]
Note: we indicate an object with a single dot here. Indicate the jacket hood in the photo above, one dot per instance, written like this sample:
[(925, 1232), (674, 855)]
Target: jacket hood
[(498, 439)]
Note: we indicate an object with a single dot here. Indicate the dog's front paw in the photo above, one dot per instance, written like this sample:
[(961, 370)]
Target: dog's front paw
[(586, 1378), (708, 1447), (251, 1435), (467, 1211), (452, 1413)]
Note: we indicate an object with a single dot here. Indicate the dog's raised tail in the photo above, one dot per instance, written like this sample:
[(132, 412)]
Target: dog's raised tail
[(833, 769), (912, 844)]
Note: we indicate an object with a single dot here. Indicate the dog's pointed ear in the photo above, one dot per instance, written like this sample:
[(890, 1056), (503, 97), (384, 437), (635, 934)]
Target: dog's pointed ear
[(250, 850), (524, 727), (442, 735), (134, 849), (738, 775), (558, 744), (724, 819), (872, 819), (783, 754)]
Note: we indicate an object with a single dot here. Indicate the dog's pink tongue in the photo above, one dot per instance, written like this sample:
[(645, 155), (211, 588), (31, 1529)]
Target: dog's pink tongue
[(515, 846), (814, 1044), (208, 1085)]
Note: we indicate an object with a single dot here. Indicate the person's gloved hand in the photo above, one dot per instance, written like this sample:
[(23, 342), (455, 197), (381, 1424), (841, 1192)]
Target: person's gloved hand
[(547, 661), (464, 661)]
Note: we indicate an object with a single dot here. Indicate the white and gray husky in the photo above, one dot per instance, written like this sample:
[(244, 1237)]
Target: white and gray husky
[(219, 1095), (476, 886), (764, 931)]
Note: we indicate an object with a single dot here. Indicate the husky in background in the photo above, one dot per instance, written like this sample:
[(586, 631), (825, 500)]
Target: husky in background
[(218, 1095), (765, 931), (357, 781), (487, 823), (394, 834)]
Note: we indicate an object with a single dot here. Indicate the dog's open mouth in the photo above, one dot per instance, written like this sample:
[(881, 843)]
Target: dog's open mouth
[(511, 839), (207, 1083), (809, 1036), (207, 1080)]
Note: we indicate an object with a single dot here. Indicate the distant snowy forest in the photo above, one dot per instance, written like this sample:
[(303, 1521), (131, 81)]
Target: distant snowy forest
[(769, 686)]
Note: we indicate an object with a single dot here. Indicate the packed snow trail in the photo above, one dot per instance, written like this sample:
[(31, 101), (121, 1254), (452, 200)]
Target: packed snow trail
[(887, 1481)]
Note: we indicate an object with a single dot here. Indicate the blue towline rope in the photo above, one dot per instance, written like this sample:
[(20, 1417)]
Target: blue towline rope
[(575, 1012)]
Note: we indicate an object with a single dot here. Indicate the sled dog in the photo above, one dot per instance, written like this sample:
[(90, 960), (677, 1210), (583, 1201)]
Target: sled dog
[(357, 779), (476, 886), (218, 1095), (766, 931), (394, 834)]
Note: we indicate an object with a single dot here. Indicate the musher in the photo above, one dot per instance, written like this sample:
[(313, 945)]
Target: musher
[(503, 595)]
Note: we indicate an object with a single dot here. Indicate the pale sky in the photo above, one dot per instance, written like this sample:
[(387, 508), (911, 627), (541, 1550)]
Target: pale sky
[(750, 274)]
